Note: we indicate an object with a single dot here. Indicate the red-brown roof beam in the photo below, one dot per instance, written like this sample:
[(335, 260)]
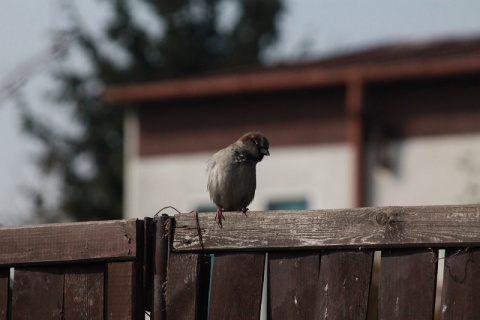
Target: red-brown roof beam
[(289, 79)]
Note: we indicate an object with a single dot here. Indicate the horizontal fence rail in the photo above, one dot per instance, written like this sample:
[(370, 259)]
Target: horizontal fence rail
[(68, 242), (362, 228)]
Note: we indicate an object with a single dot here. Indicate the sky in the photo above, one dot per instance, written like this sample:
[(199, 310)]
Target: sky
[(309, 29)]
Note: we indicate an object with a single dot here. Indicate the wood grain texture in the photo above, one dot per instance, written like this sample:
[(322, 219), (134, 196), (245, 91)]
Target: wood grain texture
[(344, 284), (159, 269), (461, 283), (293, 284), (120, 291), (138, 272), (72, 242), (407, 284), (148, 260), (4, 283), (84, 291), (38, 293), (237, 284), (187, 286), (430, 226)]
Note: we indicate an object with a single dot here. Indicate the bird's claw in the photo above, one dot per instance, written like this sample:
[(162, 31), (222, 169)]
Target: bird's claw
[(219, 217), (244, 211)]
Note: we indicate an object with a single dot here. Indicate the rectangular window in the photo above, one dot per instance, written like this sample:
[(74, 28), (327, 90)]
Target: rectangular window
[(297, 204), (206, 208)]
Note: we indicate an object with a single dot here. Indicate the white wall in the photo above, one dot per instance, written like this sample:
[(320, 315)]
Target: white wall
[(321, 174), (430, 171)]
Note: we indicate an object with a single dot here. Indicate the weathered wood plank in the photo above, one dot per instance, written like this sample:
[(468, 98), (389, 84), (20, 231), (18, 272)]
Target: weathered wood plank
[(38, 293), (160, 262), (120, 295), (430, 226), (148, 261), (4, 283), (72, 242), (237, 286), (84, 291), (461, 283), (293, 284), (407, 284), (187, 286), (344, 284), (138, 272)]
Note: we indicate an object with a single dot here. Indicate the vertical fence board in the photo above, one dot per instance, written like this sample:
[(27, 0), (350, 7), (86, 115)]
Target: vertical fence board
[(4, 283), (159, 270), (407, 284), (84, 291), (344, 284), (38, 293), (187, 286), (138, 279), (461, 283), (237, 286), (293, 283), (148, 258), (120, 291)]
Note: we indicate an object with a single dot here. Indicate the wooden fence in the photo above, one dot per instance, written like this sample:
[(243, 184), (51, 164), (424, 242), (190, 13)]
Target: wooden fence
[(319, 266), (72, 271)]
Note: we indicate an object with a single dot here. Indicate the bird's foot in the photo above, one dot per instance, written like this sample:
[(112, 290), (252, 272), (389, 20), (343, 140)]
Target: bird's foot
[(219, 217), (244, 211)]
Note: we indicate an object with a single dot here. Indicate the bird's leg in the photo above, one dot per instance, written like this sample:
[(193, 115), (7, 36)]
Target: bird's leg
[(219, 216), (244, 211)]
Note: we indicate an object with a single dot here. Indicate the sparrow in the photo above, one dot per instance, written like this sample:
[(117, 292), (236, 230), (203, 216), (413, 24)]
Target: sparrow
[(232, 173)]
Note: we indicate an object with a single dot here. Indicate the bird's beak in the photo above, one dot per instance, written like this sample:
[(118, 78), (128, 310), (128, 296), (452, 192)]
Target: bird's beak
[(265, 152)]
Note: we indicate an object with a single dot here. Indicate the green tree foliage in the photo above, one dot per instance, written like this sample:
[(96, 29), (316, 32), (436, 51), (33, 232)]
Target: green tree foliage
[(196, 36)]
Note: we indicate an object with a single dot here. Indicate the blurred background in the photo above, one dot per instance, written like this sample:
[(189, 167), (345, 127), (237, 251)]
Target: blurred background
[(70, 151)]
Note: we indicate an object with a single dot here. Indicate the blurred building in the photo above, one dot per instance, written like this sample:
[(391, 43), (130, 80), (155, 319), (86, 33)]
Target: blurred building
[(393, 125)]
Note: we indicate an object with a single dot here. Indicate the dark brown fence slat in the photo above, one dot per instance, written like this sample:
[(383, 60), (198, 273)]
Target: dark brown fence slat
[(38, 293), (138, 272), (429, 226), (461, 283), (344, 284), (159, 270), (84, 291), (293, 284), (237, 283), (4, 282), (73, 242), (407, 284), (187, 286), (149, 241), (120, 295)]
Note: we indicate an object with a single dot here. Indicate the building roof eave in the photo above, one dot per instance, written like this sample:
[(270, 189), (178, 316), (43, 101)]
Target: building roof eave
[(293, 78)]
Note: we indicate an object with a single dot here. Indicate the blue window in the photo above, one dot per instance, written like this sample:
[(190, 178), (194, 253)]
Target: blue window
[(297, 204), (206, 208)]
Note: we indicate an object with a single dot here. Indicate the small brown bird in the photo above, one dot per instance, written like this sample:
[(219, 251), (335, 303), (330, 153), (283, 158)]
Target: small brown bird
[(232, 175)]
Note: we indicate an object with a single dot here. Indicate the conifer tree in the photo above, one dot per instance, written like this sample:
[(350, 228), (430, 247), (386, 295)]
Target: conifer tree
[(194, 38)]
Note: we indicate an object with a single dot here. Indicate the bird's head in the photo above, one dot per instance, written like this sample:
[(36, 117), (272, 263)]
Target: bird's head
[(256, 145)]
